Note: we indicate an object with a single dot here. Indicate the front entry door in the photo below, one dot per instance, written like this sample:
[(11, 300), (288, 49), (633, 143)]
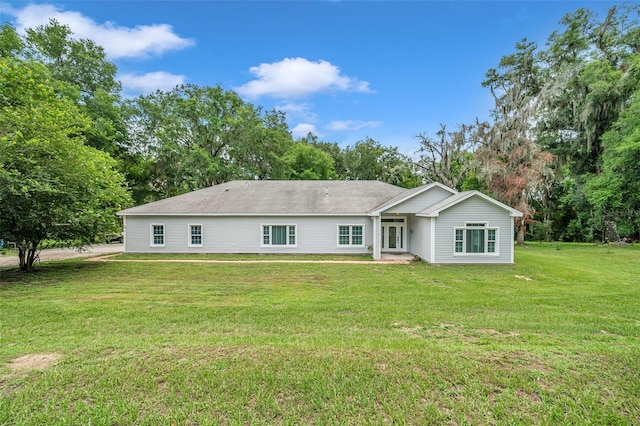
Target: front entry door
[(394, 236)]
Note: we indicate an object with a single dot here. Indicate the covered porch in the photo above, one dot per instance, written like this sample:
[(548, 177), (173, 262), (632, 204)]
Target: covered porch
[(392, 236)]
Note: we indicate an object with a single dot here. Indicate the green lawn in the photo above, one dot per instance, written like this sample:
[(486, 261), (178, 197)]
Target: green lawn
[(554, 339)]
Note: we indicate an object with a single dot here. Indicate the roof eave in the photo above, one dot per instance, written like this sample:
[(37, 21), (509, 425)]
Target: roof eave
[(175, 214)]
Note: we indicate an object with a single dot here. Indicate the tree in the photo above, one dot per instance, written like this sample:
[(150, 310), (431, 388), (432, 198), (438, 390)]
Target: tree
[(81, 73), (86, 77), (369, 160), (515, 170), (590, 73), (196, 137), (615, 191), (513, 165), (331, 148), (306, 162), (52, 185), (11, 45), (589, 78), (448, 159)]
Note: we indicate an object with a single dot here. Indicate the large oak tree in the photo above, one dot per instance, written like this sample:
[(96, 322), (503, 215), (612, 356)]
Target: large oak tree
[(196, 136)]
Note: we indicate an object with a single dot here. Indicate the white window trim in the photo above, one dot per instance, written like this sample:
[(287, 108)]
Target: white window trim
[(486, 240), (164, 235), (271, 225), (189, 239), (350, 235)]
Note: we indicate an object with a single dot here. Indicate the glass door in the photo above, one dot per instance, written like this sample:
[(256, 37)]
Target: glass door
[(393, 234)]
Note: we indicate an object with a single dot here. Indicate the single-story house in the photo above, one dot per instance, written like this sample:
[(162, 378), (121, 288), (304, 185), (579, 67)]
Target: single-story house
[(434, 222)]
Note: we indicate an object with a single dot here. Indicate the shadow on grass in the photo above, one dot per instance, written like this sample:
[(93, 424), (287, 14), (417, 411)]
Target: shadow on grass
[(43, 274)]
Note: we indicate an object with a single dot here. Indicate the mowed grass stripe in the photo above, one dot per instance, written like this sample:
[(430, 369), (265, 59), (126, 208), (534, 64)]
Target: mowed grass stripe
[(553, 339)]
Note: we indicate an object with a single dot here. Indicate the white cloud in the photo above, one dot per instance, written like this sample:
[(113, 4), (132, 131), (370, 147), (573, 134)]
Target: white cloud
[(303, 129), (150, 82), (298, 111), (348, 125), (297, 78), (142, 41)]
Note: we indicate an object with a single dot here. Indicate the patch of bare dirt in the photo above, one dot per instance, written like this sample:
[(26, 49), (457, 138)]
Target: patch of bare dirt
[(412, 332), (531, 396), (523, 277), (496, 332), (34, 361)]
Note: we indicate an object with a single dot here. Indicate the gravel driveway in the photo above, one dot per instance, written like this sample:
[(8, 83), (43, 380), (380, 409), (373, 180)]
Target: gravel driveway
[(67, 253)]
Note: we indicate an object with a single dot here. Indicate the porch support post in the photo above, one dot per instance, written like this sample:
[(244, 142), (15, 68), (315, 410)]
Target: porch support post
[(376, 238)]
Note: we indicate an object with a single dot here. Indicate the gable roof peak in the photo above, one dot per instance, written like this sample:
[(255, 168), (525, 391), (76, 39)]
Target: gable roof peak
[(407, 194), (436, 209)]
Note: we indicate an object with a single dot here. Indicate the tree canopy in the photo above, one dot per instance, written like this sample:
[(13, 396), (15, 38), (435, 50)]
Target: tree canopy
[(554, 109), (193, 137), (52, 185)]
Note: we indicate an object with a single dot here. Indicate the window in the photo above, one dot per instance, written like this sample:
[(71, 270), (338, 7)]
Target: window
[(195, 236), (459, 240), (475, 238), (491, 240), (351, 235), (157, 235), (278, 235)]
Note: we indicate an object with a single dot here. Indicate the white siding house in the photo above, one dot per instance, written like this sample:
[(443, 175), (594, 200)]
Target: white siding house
[(433, 222), (246, 234)]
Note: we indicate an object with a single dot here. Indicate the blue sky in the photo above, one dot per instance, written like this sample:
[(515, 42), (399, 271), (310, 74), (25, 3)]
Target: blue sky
[(344, 70)]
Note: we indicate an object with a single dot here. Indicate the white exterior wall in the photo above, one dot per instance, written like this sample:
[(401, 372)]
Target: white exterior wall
[(420, 236), (474, 209), (419, 202), (243, 234)]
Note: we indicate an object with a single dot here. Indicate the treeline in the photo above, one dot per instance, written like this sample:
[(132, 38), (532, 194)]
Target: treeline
[(562, 145), (564, 140)]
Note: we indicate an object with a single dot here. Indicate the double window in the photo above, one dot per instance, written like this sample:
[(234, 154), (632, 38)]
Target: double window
[(157, 235), (195, 236), (476, 238), (351, 235), (279, 235)]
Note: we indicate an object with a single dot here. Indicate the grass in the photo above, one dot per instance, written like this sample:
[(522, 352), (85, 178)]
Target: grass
[(554, 339)]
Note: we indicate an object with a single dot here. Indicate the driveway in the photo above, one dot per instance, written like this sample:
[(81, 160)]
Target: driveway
[(67, 253)]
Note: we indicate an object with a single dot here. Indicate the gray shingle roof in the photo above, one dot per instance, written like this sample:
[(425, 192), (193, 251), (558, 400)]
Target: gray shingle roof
[(273, 197)]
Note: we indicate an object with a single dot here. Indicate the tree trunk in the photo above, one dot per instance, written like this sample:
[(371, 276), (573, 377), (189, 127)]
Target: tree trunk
[(27, 254), (520, 236), (611, 232)]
